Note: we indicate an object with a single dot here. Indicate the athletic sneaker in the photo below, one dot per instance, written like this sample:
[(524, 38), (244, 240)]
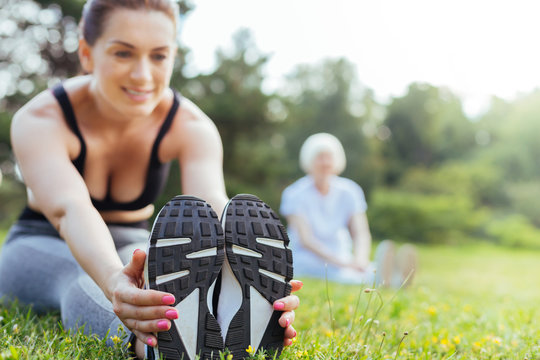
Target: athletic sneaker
[(256, 272), (184, 257)]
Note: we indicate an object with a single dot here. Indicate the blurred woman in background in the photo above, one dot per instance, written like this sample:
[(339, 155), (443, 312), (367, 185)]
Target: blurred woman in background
[(328, 226)]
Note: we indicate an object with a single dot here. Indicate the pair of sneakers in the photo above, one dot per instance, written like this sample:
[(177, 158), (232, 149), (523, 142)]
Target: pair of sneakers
[(244, 259)]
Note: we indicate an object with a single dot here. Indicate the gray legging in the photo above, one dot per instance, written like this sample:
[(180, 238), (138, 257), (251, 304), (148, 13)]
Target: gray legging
[(37, 268)]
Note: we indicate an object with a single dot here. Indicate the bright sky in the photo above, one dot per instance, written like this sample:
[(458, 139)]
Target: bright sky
[(477, 48)]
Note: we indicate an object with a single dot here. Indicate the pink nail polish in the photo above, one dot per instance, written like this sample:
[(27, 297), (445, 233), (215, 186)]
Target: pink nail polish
[(287, 323), (279, 305), (163, 324), (294, 334), (168, 299), (171, 314), (150, 342)]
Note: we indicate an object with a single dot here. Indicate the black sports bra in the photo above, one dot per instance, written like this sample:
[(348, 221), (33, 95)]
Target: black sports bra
[(156, 175)]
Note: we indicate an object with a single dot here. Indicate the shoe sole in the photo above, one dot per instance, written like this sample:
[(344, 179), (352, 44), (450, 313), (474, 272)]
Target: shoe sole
[(185, 255), (256, 247)]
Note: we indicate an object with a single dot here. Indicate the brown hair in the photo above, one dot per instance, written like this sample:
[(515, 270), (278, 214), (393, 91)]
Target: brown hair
[(95, 13)]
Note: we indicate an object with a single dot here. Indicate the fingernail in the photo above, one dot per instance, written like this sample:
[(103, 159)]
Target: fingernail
[(134, 251), (168, 299), (150, 342), (279, 305), (163, 324), (171, 314), (287, 323), (288, 342), (294, 334)]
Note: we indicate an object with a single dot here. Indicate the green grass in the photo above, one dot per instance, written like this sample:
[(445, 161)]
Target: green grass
[(470, 302)]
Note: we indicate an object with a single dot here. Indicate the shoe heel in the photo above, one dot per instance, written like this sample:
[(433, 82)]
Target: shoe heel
[(185, 255), (257, 250)]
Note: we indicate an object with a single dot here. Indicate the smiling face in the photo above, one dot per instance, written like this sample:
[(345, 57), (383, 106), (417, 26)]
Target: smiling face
[(132, 60)]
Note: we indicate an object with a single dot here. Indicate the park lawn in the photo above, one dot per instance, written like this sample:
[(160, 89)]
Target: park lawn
[(467, 302)]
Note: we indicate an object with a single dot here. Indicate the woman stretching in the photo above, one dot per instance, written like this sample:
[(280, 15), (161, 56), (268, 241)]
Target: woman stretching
[(94, 153)]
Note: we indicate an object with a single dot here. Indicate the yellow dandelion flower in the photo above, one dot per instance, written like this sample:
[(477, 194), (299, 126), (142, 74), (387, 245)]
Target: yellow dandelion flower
[(328, 333), (115, 339), (456, 339), (477, 344), (467, 308), (250, 350), (432, 310), (444, 341), (497, 340), (434, 339)]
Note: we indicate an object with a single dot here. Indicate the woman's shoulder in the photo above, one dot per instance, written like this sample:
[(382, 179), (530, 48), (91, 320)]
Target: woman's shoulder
[(41, 108), (40, 121), (192, 128), (346, 184), (298, 187), (189, 114), (44, 107)]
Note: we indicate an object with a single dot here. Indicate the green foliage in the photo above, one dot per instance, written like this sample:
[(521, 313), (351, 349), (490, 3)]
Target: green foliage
[(480, 182), (427, 126), (13, 196), (524, 198), (513, 145), (232, 97), (416, 217), (514, 230)]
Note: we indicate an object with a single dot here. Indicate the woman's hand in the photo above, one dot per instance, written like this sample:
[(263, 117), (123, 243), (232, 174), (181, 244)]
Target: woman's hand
[(143, 311), (288, 304)]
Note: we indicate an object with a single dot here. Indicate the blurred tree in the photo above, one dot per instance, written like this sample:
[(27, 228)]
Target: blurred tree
[(232, 97), (427, 126), (329, 98), (512, 144)]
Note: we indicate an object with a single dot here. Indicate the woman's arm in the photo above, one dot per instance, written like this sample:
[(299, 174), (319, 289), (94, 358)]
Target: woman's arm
[(200, 155), (361, 236), (42, 144), (308, 240)]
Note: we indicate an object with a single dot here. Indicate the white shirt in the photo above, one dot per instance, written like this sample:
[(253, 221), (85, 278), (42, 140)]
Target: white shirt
[(327, 215)]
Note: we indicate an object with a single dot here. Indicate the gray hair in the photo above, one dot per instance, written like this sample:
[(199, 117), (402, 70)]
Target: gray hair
[(319, 143)]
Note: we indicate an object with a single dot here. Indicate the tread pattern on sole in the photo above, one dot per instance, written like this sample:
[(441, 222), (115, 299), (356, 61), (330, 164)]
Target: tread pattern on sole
[(181, 266), (256, 245)]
